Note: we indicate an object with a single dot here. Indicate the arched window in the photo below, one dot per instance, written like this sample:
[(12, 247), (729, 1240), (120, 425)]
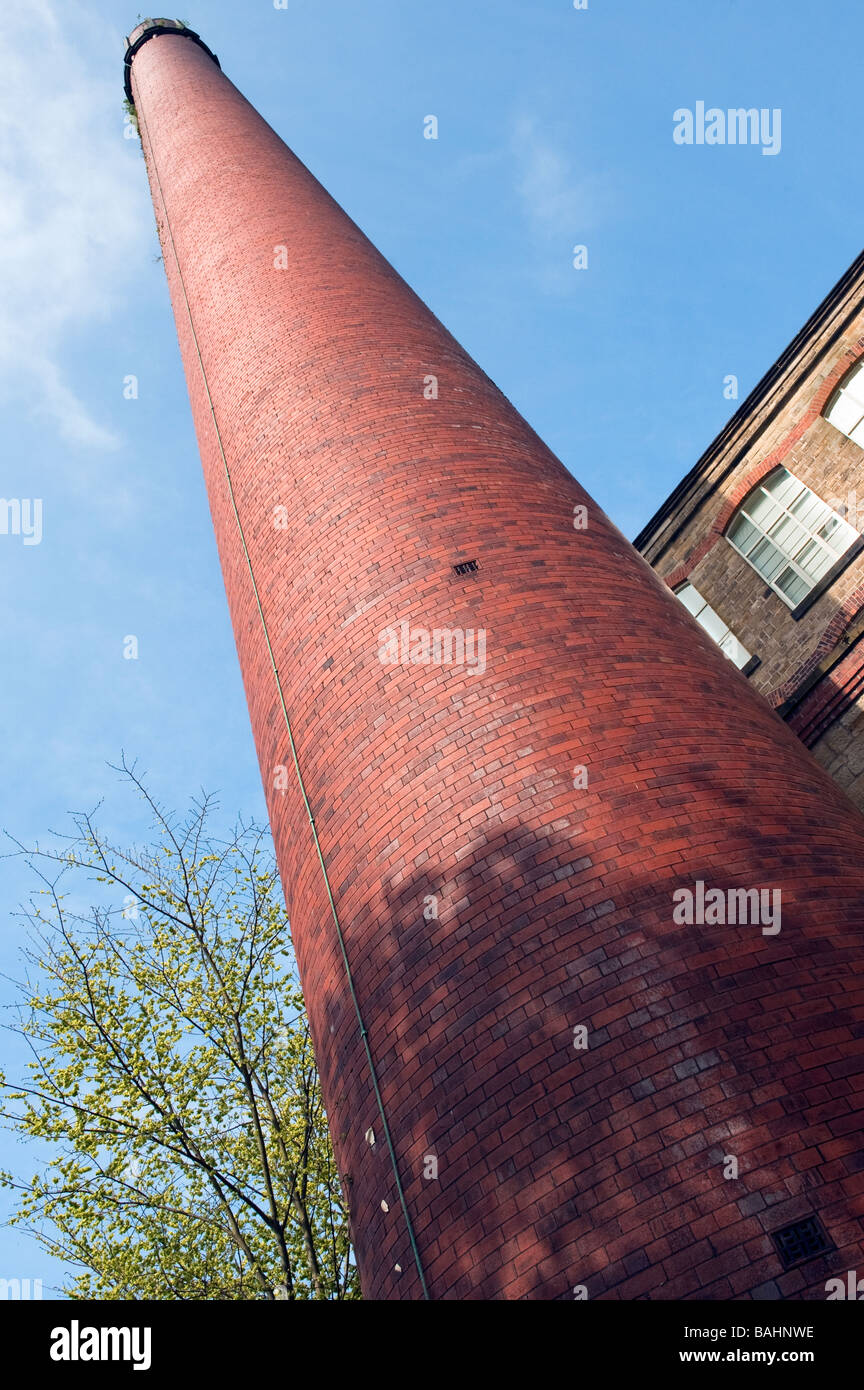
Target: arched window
[(713, 624), (789, 535), (845, 409)]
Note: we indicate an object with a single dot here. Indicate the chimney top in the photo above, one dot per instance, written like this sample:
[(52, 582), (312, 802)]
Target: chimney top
[(149, 29)]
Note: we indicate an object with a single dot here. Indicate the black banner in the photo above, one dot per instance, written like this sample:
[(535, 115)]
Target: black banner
[(59, 1340)]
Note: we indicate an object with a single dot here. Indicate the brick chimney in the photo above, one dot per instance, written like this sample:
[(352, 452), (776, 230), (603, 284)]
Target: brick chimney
[(498, 755)]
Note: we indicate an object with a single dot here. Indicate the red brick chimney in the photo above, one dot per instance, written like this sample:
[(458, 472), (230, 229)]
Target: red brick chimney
[(540, 1077)]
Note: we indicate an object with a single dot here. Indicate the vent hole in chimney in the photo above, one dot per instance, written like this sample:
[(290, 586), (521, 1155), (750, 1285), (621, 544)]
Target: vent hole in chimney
[(466, 567), (801, 1241)]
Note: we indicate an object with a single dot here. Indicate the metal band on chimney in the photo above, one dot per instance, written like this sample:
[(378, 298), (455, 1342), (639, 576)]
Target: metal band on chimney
[(149, 29)]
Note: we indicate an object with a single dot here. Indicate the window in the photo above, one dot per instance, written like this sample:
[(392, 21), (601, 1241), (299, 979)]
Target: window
[(713, 624), (789, 535), (846, 407)]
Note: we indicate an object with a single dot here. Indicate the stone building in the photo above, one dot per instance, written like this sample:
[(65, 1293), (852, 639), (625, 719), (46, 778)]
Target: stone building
[(762, 539)]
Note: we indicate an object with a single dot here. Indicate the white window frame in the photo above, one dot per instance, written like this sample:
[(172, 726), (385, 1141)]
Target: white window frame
[(847, 405), (795, 496), (702, 611)]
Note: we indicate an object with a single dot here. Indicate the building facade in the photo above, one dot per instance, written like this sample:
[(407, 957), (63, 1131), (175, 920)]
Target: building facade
[(762, 540)]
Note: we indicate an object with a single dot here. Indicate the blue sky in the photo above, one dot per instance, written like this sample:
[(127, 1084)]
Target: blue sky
[(555, 129)]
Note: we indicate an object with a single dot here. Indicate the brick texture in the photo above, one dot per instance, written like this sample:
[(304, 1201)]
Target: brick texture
[(786, 426), (557, 1167)]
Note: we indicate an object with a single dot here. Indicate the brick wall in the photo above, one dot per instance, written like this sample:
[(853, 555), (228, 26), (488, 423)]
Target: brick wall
[(840, 750), (691, 544), (557, 1166)]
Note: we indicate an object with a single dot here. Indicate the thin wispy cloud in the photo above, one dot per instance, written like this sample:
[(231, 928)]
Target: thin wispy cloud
[(561, 206), (73, 212)]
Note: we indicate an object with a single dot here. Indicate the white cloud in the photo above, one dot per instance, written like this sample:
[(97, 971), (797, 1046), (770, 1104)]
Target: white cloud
[(74, 214), (557, 203)]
